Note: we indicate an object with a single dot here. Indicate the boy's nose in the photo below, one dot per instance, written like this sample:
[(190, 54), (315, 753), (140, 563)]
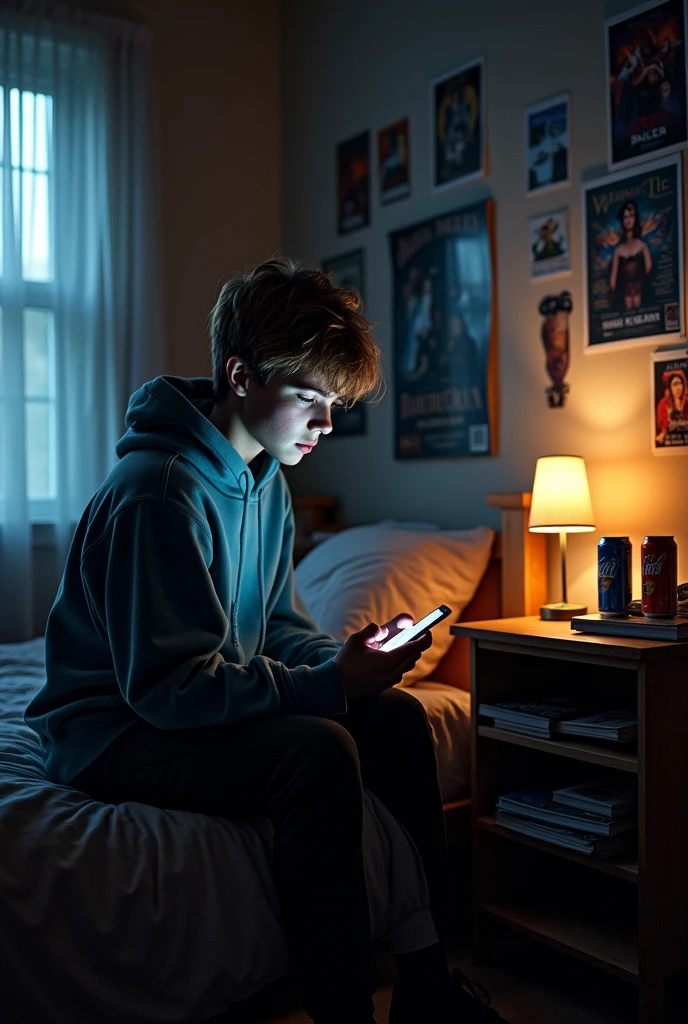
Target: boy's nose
[(322, 423)]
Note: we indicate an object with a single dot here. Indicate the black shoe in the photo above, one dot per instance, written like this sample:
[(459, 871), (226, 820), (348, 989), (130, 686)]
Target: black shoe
[(467, 1002), (473, 1000)]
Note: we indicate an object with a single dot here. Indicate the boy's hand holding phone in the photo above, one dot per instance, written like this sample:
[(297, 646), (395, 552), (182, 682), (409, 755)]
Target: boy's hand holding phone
[(366, 667)]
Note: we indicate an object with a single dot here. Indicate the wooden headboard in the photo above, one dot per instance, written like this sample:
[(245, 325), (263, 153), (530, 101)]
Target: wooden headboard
[(514, 583)]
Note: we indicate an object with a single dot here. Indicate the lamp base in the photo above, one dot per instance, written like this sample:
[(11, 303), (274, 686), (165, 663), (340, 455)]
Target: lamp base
[(562, 612)]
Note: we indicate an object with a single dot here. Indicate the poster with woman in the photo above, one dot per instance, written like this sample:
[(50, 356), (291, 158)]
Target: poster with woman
[(348, 271), (632, 229), (445, 335), (457, 117), (548, 152), (646, 76), (353, 183), (669, 390), (394, 175)]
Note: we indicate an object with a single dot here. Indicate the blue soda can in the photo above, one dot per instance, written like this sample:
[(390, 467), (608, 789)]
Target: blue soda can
[(614, 575)]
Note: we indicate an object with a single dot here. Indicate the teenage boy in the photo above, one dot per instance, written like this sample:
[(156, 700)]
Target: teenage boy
[(184, 672)]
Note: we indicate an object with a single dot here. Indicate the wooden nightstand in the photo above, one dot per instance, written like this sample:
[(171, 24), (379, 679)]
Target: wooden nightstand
[(626, 915)]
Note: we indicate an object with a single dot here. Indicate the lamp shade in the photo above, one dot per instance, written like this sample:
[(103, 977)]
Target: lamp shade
[(561, 496)]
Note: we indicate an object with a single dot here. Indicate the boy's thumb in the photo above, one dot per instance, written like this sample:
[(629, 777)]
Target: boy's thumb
[(373, 632)]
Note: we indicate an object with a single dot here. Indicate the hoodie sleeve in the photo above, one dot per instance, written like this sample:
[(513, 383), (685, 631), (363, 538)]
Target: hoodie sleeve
[(291, 635), (149, 586)]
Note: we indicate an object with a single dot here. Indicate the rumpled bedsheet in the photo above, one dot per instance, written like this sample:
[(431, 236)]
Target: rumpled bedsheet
[(127, 913)]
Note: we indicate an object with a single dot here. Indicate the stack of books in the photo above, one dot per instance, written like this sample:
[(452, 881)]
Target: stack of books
[(529, 718), (597, 818), (619, 725), (544, 719)]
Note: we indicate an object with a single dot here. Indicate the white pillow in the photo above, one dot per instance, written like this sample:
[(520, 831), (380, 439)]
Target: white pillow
[(370, 574)]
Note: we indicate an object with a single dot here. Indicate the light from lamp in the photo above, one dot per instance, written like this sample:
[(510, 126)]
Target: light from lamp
[(560, 500)]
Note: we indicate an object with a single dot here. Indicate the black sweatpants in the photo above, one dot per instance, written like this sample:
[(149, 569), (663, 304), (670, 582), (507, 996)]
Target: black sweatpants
[(306, 775)]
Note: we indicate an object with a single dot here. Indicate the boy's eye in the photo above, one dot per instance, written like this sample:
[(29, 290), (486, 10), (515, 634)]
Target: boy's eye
[(305, 400)]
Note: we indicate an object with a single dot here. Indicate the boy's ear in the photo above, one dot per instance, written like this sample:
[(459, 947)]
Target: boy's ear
[(238, 375)]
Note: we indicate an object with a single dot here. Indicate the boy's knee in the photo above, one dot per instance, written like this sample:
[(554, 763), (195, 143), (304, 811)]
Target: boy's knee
[(329, 748), (403, 712)]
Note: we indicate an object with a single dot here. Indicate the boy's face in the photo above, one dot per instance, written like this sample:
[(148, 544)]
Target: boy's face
[(288, 415)]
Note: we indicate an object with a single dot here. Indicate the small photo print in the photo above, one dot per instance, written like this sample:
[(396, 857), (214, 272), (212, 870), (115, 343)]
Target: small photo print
[(669, 383), (393, 162), (548, 152), (457, 117), (672, 316), (550, 253), (353, 183)]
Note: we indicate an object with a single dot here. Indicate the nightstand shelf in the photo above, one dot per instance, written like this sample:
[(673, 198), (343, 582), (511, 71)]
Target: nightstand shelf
[(594, 940), (621, 867), (590, 752), (626, 915)]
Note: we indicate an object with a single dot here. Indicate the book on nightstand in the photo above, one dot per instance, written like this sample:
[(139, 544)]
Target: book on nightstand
[(538, 805), (582, 842), (617, 724), (611, 796), (530, 718), (633, 625)]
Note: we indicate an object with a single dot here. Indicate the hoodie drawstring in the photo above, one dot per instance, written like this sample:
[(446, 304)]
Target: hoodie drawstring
[(263, 624), (240, 571)]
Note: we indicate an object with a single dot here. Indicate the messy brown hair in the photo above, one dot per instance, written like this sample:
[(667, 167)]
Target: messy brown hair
[(282, 318)]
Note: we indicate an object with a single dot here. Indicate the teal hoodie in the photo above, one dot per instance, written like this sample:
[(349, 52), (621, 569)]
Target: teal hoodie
[(177, 604)]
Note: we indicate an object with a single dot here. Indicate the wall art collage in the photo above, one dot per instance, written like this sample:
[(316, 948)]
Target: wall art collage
[(632, 247)]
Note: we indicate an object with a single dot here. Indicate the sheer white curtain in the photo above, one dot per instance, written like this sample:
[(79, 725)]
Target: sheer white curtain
[(80, 322)]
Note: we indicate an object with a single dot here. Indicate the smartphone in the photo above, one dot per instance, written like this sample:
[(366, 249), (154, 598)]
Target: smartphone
[(411, 632)]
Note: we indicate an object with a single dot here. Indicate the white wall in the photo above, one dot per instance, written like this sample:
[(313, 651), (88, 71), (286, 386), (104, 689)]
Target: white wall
[(353, 65)]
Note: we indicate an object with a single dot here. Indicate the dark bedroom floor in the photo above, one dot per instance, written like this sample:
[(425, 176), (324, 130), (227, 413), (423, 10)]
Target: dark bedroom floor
[(528, 983)]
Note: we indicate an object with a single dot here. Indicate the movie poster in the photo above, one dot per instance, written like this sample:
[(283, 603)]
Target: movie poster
[(458, 118), (632, 225), (646, 82), (353, 183), (394, 173), (348, 271), (669, 390), (445, 335), (548, 244), (548, 148)]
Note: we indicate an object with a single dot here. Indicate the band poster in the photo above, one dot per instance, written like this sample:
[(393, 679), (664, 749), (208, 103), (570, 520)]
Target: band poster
[(457, 116), (646, 82), (393, 171), (445, 335), (348, 271), (353, 183), (632, 226), (669, 392)]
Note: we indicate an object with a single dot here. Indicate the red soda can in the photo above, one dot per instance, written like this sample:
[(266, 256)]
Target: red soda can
[(658, 563)]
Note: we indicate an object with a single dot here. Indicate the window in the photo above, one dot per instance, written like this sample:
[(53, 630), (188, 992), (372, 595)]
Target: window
[(27, 297)]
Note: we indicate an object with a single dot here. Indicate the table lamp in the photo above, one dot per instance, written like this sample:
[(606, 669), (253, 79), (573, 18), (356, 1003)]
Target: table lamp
[(561, 504)]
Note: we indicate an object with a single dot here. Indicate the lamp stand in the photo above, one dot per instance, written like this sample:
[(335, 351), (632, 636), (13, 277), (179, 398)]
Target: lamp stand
[(562, 612)]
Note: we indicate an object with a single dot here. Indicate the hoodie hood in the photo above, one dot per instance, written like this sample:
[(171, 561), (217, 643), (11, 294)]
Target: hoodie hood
[(171, 413)]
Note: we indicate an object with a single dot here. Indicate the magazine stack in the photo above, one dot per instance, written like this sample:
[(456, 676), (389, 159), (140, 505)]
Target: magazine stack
[(563, 717), (529, 718), (617, 725), (596, 818)]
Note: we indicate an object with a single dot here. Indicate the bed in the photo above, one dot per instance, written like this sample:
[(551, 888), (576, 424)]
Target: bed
[(129, 913)]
